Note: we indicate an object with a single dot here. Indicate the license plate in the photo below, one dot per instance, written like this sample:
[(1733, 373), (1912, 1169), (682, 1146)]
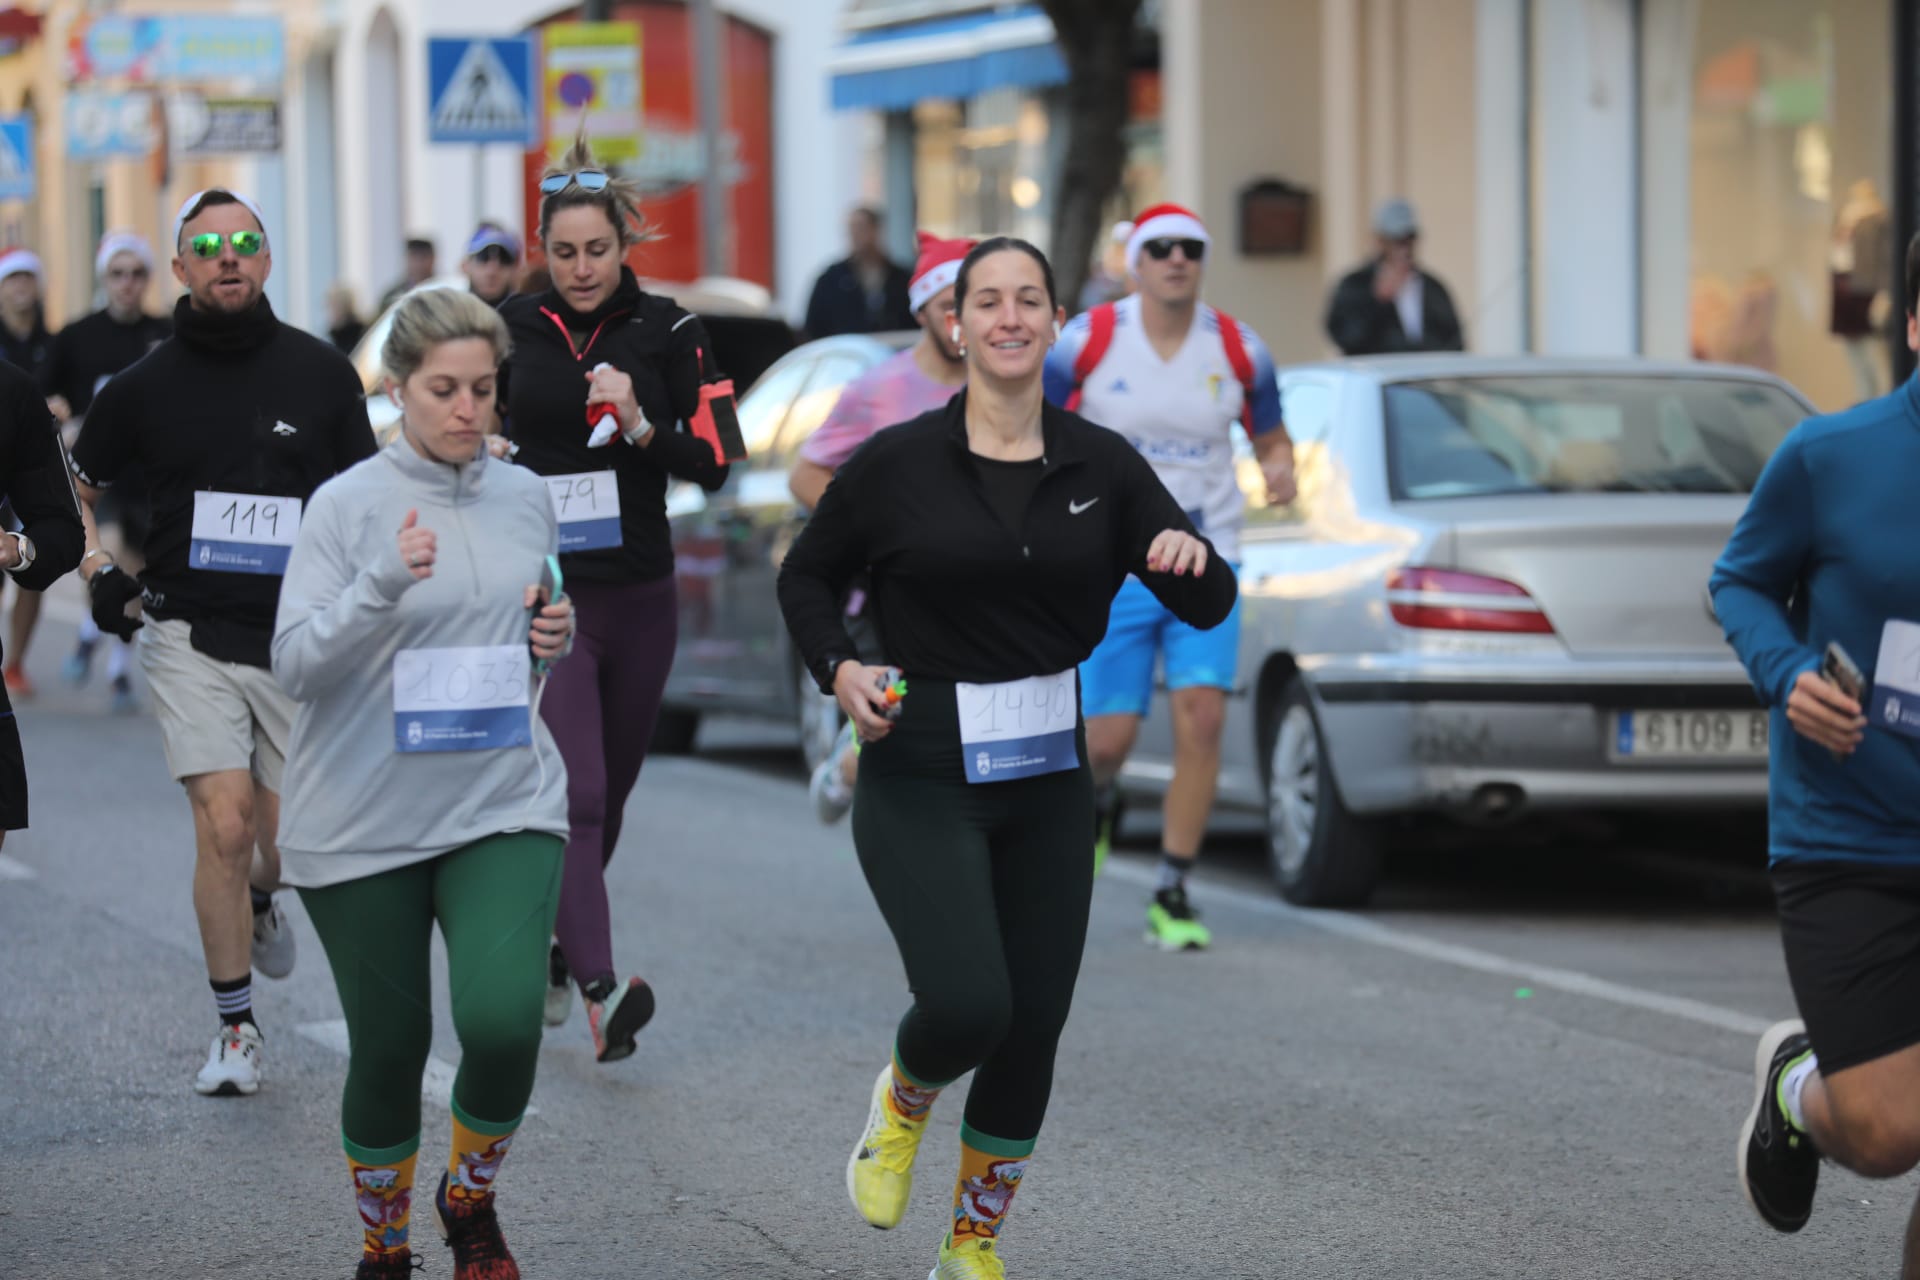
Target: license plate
[(1690, 735)]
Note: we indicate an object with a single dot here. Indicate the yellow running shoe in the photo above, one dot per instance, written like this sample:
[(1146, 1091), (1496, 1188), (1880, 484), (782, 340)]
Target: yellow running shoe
[(880, 1171), (972, 1259)]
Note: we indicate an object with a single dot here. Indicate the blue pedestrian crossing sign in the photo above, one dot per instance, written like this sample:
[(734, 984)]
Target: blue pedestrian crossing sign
[(480, 90), (16, 158)]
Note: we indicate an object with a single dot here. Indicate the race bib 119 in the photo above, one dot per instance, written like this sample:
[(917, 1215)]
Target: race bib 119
[(587, 505), (1019, 728), (242, 532), (465, 699)]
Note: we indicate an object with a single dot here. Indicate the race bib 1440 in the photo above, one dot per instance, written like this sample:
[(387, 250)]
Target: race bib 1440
[(464, 699), (242, 532), (1019, 728)]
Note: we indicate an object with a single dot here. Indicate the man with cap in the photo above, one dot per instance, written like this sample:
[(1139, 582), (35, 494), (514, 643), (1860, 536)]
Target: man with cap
[(493, 256), (1174, 376), (1390, 304), (235, 420), (26, 344), (898, 389), (85, 354)]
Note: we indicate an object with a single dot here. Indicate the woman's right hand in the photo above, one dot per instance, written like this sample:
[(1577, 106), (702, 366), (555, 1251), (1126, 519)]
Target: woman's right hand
[(1820, 712), (417, 547), (862, 693)]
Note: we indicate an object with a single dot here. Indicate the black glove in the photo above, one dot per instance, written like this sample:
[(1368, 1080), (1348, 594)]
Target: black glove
[(112, 591)]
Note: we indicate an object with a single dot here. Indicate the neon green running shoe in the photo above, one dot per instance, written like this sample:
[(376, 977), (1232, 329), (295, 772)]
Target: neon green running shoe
[(1173, 924), (972, 1259), (1106, 816), (880, 1171)]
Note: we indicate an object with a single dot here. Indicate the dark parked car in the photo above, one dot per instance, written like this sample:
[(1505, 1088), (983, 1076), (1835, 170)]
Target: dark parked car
[(735, 655)]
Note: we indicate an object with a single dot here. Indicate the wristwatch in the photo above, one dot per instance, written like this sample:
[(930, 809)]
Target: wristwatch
[(24, 546)]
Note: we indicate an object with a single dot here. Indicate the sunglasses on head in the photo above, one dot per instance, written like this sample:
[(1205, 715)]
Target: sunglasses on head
[(1161, 250), (495, 254), (594, 180), (245, 243)]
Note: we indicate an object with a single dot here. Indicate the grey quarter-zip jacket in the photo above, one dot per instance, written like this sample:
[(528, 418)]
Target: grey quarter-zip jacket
[(356, 804)]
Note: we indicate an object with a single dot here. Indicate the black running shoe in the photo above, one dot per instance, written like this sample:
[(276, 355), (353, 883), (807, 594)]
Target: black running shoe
[(1778, 1163), (389, 1266), (472, 1231)]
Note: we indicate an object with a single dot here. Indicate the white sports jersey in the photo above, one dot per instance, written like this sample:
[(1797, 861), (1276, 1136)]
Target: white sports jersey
[(1180, 413)]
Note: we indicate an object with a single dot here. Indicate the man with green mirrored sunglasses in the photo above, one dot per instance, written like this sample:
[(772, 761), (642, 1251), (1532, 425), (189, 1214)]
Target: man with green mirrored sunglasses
[(234, 421)]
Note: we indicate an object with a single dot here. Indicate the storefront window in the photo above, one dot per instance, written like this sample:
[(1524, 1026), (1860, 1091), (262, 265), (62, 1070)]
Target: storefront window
[(981, 167), (1792, 264)]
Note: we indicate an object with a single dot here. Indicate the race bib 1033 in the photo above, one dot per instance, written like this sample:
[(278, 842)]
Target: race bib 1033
[(461, 699)]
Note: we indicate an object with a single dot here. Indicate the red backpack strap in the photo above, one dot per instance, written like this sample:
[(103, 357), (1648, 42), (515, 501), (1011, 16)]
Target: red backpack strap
[(1099, 338), (1241, 364)]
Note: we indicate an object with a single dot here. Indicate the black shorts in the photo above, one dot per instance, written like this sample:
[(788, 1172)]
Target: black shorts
[(1851, 933), (13, 774)]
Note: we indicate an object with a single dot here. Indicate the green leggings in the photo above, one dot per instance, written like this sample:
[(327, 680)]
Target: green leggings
[(495, 901)]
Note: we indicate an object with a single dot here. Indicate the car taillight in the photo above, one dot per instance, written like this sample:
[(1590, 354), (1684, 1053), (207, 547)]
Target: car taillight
[(1445, 600)]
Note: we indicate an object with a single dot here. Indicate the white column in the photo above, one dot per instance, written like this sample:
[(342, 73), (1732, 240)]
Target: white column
[(1500, 165), (1183, 79), (1666, 213), (1343, 199)]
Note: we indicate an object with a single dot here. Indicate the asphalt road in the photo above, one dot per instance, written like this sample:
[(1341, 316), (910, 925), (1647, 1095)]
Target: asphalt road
[(1529, 1061)]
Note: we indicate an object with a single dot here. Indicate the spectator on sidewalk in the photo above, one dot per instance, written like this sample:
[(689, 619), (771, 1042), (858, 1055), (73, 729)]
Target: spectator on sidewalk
[(421, 257), (1390, 304), (865, 292), (344, 325)]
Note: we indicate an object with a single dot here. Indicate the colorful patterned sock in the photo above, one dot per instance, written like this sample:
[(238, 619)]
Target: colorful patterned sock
[(383, 1190), (909, 1099), (990, 1172), (478, 1149)]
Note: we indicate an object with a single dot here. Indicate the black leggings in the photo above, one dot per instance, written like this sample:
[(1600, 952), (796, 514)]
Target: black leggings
[(986, 888)]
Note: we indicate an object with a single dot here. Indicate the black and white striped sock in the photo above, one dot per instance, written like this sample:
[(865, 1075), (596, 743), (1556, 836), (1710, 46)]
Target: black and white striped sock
[(234, 1000)]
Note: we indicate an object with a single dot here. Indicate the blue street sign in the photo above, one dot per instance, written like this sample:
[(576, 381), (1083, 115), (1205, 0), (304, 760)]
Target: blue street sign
[(480, 90), (16, 158)]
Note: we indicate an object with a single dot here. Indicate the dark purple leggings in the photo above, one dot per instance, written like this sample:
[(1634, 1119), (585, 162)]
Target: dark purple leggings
[(601, 704)]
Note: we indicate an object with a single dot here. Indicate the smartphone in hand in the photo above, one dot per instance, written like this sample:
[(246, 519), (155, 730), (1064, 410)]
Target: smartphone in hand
[(549, 584), (1844, 674)]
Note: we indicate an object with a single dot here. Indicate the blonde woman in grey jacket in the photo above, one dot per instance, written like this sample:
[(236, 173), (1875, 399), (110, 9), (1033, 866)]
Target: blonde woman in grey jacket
[(422, 786)]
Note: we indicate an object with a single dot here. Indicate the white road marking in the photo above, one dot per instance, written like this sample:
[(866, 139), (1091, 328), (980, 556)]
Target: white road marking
[(436, 1086), (1521, 972), (11, 870)]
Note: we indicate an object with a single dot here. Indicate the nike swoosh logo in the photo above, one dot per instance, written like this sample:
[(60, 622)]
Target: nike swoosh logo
[(1075, 508)]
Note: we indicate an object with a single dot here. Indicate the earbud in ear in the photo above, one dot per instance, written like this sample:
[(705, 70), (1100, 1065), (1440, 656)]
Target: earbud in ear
[(1056, 329), (954, 333)]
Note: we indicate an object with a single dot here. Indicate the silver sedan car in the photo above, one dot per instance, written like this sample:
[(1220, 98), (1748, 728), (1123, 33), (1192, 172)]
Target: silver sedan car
[(1488, 600)]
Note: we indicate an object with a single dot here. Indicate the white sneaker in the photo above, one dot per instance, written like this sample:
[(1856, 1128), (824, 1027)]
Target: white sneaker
[(559, 987), (832, 797), (272, 943), (233, 1064)]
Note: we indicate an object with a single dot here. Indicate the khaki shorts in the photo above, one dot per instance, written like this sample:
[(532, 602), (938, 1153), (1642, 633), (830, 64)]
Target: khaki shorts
[(214, 716)]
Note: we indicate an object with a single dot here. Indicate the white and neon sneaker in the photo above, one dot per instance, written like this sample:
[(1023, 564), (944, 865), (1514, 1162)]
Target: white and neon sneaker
[(272, 942), (880, 1171), (233, 1064), (971, 1259)]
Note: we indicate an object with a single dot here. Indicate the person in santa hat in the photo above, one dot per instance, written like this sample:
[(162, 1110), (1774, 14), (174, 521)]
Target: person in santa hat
[(1174, 376), (919, 379)]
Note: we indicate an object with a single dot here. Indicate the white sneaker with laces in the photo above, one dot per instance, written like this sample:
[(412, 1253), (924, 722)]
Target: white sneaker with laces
[(272, 943), (832, 795), (233, 1064)]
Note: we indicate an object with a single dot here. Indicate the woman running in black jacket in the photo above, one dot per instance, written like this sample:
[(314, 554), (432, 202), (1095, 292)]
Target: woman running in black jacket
[(996, 532), (602, 385)]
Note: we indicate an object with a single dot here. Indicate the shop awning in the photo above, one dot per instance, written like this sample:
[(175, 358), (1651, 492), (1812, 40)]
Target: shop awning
[(891, 68)]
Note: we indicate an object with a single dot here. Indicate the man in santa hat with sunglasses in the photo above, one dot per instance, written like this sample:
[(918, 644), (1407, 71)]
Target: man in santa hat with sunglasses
[(921, 378), (1176, 377)]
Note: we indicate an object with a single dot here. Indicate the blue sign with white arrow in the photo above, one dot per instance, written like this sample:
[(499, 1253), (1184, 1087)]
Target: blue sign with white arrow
[(481, 90)]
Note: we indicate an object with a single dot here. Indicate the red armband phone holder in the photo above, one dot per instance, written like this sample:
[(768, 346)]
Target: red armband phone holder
[(718, 423)]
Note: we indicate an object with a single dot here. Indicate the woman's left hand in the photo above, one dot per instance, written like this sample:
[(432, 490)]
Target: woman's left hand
[(1177, 552), (552, 627), (611, 387)]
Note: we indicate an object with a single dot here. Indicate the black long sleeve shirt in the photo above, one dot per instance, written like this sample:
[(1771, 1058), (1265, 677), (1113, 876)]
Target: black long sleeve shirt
[(959, 593), (667, 353), (94, 348), (33, 476)]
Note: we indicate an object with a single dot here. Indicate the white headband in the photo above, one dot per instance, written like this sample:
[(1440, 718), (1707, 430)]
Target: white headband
[(923, 290), (115, 243), (180, 219), (1169, 226)]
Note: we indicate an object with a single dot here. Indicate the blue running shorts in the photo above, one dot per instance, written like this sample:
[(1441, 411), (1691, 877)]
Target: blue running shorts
[(1117, 680)]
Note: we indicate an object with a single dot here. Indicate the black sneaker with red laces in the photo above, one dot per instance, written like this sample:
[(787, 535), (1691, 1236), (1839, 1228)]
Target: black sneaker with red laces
[(473, 1233)]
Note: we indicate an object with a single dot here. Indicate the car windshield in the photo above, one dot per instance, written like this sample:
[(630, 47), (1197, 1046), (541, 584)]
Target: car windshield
[(1459, 437)]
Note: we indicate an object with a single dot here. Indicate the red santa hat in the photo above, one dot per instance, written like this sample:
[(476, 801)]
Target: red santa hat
[(1164, 222), (938, 267), (16, 262)]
